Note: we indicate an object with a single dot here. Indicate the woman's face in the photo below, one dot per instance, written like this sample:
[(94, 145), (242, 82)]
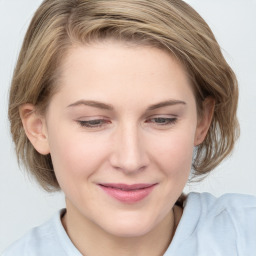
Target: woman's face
[(124, 115)]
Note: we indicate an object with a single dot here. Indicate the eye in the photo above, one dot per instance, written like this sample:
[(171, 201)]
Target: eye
[(95, 123), (162, 121)]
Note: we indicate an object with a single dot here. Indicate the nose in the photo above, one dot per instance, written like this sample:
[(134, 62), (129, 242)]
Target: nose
[(129, 150)]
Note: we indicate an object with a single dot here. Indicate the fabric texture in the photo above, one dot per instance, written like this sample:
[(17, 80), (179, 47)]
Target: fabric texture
[(209, 226)]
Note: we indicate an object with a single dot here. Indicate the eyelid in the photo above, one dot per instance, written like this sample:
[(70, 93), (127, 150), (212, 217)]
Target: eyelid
[(167, 120), (162, 116), (101, 122), (89, 123)]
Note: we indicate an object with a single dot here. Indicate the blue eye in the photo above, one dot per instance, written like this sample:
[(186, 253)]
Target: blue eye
[(162, 120), (96, 123)]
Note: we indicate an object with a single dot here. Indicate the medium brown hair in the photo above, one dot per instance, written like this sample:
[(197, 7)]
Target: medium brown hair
[(171, 25)]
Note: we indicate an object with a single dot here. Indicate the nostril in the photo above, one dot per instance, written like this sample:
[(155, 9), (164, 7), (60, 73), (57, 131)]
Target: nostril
[(128, 153)]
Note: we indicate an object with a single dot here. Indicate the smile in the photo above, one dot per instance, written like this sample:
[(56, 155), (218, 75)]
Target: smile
[(127, 193)]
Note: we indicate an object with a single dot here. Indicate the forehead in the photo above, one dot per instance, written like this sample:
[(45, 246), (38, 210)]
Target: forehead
[(108, 69)]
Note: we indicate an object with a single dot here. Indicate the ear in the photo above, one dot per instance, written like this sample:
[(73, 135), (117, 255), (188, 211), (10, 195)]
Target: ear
[(35, 128), (204, 120)]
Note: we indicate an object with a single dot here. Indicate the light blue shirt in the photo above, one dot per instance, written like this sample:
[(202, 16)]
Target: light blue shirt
[(224, 226)]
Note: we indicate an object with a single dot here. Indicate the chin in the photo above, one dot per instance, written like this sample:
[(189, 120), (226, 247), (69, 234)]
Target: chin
[(129, 228)]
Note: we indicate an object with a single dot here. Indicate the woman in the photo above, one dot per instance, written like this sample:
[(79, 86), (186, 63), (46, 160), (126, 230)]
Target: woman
[(113, 102)]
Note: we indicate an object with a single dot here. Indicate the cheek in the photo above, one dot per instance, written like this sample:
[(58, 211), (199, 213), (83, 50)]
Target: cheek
[(75, 157), (174, 153)]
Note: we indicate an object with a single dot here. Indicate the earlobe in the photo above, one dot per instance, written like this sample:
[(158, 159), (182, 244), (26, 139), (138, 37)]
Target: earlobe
[(35, 128), (204, 120)]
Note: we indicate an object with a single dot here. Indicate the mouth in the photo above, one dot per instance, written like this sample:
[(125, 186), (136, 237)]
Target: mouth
[(127, 193)]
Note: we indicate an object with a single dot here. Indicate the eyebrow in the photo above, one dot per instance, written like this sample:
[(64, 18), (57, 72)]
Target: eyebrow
[(101, 105), (92, 103), (165, 104)]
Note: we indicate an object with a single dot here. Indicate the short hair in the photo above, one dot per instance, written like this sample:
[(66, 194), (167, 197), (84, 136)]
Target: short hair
[(171, 25)]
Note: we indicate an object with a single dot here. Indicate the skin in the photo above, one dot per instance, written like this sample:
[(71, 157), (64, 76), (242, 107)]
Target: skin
[(131, 142)]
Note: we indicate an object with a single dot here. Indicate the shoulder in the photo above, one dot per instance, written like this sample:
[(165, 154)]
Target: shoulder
[(229, 220), (236, 210), (218, 226), (46, 239), (232, 206), (208, 202)]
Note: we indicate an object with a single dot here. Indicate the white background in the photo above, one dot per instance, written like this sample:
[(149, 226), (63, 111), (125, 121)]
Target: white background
[(23, 204)]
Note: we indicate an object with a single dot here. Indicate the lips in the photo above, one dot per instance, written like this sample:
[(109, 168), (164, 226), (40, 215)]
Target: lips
[(127, 187), (127, 193)]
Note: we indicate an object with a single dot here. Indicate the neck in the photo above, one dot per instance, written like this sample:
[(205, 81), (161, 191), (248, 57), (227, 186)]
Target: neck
[(87, 236)]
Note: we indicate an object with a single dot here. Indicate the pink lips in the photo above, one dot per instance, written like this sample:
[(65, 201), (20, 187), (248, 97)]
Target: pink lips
[(128, 193)]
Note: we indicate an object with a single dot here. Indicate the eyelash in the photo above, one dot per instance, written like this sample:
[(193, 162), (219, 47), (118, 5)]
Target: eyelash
[(91, 123), (164, 121), (98, 123)]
